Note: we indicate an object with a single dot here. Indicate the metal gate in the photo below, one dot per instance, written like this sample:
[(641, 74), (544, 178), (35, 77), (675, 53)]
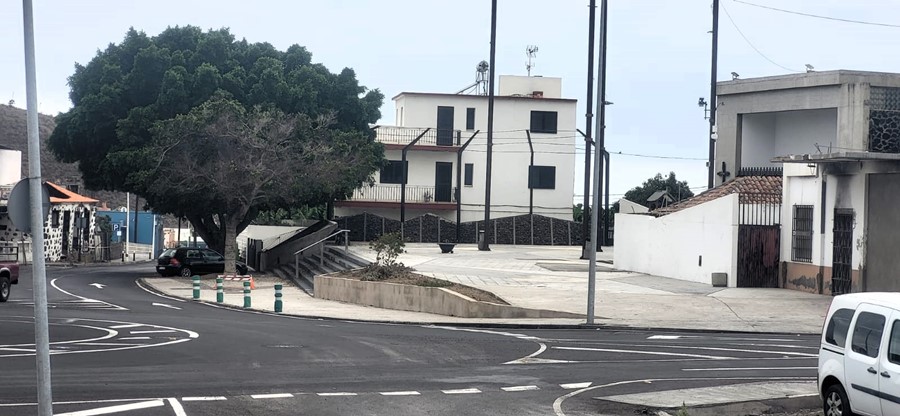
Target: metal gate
[(758, 255), (842, 257)]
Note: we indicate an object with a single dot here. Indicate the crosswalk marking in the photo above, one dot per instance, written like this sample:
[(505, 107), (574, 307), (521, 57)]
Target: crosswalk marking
[(519, 388), (461, 391)]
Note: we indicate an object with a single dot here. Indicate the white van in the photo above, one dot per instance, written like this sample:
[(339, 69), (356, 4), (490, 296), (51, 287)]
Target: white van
[(859, 361)]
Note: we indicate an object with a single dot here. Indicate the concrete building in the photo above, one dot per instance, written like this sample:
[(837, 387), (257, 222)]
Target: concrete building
[(837, 136), (444, 137)]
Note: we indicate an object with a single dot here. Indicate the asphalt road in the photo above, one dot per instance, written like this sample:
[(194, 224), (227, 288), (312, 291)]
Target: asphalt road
[(118, 349)]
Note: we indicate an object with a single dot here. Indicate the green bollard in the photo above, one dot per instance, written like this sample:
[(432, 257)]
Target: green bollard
[(196, 280), (246, 294), (278, 304), (220, 290)]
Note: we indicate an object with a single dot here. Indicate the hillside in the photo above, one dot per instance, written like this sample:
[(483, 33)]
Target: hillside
[(13, 134)]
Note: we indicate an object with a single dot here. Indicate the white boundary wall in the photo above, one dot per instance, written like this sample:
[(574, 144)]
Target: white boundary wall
[(672, 245)]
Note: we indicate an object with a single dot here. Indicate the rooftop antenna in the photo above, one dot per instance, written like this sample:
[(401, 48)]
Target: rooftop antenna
[(531, 51)]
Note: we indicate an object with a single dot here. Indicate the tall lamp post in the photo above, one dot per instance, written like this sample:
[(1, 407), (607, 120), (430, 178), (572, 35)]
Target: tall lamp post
[(484, 245), (599, 148)]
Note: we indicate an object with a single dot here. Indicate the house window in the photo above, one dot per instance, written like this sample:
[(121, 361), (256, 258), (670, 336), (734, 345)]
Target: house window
[(54, 222), (543, 122), (470, 119), (470, 172), (801, 243), (542, 177), (393, 172)]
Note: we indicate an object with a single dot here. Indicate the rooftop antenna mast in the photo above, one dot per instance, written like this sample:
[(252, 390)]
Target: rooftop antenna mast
[(479, 87), (531, 51)]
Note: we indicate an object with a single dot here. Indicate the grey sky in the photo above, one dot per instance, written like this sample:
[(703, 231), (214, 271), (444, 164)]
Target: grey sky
[(658, 52)]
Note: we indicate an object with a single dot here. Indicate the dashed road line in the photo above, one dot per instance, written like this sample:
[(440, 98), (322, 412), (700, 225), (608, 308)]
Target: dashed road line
[(399, 393), (570, 386), (519, 388), (204, 399), (272, 396), (156, 331), (124, 326), (336, 394), (461, 391), (673, 354)]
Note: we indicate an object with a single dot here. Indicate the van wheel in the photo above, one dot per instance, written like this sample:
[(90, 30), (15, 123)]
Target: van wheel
[(836, 402), (4, 288)]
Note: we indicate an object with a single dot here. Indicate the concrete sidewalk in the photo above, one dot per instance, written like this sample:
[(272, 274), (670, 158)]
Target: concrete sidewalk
[(544, 277)]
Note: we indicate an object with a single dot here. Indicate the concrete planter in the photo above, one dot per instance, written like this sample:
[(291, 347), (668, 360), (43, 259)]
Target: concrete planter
[(434, 300)]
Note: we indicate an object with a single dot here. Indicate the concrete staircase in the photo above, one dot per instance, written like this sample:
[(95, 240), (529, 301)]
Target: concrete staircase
[(335, 260)]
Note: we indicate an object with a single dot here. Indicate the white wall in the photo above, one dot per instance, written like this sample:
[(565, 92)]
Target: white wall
[(523, 85), (10, 166), (512, 117), (628, 207), (671, 245), (767, 135)]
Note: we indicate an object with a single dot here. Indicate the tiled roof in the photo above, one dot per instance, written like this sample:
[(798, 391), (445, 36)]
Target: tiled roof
[(750, 190), (60, 195)]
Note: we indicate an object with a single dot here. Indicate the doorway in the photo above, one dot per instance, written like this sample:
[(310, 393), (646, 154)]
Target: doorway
[(443, 182)]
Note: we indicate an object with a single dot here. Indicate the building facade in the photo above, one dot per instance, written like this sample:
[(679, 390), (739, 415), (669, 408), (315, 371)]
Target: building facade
[(444, 139), (837, 136)]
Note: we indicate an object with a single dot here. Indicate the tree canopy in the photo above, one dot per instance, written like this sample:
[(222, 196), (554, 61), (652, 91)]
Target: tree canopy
[(170, 95), (678, 189)]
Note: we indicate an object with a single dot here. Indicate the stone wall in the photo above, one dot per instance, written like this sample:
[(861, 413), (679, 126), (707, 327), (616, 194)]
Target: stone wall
[(521, 229)]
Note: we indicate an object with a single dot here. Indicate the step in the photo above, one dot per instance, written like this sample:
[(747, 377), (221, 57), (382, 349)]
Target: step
[(349, 257)]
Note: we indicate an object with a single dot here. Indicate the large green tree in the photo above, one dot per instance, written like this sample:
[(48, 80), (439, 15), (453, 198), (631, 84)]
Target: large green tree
[(678, 189), (127, 101)]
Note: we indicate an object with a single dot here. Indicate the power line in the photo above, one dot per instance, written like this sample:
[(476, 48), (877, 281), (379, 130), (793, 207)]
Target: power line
[(837, 19), (751, 43)]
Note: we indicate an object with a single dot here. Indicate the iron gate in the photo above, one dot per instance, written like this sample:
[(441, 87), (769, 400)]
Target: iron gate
[(758, 255), (842, 257)]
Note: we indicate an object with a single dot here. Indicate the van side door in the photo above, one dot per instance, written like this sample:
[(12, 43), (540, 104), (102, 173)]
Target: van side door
[(890, 369), (861, 362)]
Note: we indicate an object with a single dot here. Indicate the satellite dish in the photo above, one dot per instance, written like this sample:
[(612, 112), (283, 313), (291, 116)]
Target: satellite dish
[(19, 206)]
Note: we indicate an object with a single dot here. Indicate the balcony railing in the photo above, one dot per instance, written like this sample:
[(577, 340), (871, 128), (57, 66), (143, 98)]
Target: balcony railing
[(414, 194), (405, 135)]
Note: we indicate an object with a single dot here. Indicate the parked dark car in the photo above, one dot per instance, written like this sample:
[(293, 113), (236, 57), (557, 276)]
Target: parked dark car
[(188, 261)]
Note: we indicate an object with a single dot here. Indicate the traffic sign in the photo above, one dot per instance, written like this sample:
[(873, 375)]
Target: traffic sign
[(19, 205)]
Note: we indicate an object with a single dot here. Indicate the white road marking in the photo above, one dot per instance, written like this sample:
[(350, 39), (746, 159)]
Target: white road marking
[(664, 337), (155, 331), (116, 409), (570, 386), (519, 388), (461, 391), (107, 344), (204, 399), (271, 396), (176, 407), (166, 306), (798, 354), (116, 307), (80, 402), (138, 283), (97, 285), (126, 326), (335, 394), (748, 368), (674, 354), (399, 393), (130, 338)]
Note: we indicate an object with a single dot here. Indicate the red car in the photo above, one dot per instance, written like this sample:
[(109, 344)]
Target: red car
[(9, 275)]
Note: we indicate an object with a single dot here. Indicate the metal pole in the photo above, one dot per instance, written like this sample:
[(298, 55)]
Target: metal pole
[(485, 246), (606, 210), (598, 158), (127, 220), (530, 167), (178, 243), (585, 221), (39, 271), (278, 303), (712, 96)]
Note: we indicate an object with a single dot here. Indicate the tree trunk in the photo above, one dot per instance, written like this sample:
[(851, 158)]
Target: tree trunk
[(230, 251)]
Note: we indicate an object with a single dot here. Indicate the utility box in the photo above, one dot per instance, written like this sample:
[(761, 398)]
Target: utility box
[(720, 279)]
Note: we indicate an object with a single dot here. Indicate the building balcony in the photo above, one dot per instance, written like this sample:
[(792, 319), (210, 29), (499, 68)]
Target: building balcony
[(437, 140), (388, 196)]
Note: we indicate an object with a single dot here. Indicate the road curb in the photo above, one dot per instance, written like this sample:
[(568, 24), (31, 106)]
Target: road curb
[(485, 325)]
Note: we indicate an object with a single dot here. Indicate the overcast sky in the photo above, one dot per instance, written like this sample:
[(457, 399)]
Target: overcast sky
[(659, 52)]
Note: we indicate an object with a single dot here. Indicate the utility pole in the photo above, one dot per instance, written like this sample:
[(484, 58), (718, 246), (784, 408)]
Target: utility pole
[(712, 96), (39, 270), (127, 220), (588, 142), (598, 163), (484, 245)]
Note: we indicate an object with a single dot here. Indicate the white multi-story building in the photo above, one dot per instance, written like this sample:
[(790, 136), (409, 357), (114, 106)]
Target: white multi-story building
[(533, 162)]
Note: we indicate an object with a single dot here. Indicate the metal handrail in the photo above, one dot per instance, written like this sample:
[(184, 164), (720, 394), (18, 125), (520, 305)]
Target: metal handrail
[(321, 252)]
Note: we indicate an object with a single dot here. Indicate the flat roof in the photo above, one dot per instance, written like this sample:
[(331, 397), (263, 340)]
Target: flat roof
[(807, 80), (496, 97), (836, 157)]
